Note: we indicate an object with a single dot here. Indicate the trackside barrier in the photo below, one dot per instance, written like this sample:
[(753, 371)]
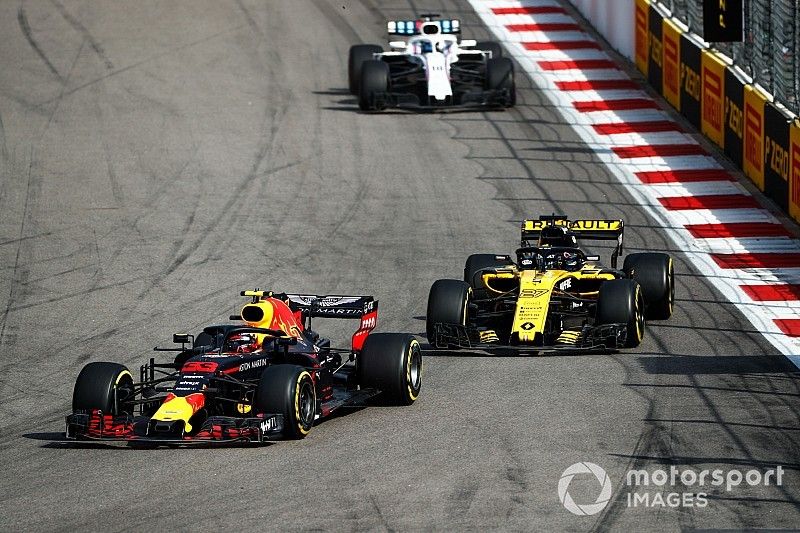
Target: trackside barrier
[(712, 88), (720, 100), (655, 61), (776, 155), (671, 43), (734, 115), (794, 168), (753, 143)]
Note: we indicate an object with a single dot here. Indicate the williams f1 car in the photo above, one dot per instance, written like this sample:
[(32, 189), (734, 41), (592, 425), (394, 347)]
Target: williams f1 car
[(431, 70), (268, 377), (552, 297)]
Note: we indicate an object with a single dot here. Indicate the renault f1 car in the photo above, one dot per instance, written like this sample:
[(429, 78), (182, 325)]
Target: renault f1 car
[(552, 296), (431, 70), (267, 377)]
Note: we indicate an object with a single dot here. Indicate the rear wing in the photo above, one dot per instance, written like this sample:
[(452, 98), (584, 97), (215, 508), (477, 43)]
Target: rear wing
[(583, 229), (414, 27), (330, 306)]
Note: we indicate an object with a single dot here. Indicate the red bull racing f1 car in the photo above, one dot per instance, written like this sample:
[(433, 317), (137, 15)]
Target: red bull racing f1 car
[(267, 377), (553, 297)]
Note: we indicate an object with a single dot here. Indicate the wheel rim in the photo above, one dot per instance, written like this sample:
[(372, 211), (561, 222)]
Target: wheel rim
[(639, 316), (414, 368), (306, 405)]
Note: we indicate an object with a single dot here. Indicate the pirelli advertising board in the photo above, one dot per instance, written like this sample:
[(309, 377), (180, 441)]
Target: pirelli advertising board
[(753, 138), (690, 79), (655, 60), (671, 77), (712, 105), (794, 169), (776, 155), (734, 115), (642, 46)]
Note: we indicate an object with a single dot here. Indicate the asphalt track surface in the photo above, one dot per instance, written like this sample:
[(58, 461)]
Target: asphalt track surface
[(158, 157)]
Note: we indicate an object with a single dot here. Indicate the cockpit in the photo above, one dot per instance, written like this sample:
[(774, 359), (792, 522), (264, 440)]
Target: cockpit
[(550, 258)]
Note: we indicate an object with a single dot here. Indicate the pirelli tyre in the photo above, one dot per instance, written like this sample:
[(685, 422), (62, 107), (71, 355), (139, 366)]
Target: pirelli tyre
[(447, 304), (656, 275), (392, 363), (359, 53), (374, 84), (104, 386), (476, 264), (499, 76), (490, 46), (620, 302), (288, 390)]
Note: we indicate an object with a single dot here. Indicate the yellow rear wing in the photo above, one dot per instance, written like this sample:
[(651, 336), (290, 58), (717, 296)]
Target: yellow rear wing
[(582, 229)]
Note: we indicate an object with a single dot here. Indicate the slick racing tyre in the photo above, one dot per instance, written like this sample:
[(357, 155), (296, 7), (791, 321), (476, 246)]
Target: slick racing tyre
[(656, 275), (392, 363), (355, 60), (104, 386), (374, 82), (474, 266), (620, 302), (447, 304), (499, 76), (490, 46), (288, 390)]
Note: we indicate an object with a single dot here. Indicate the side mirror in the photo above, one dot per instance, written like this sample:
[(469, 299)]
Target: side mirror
[(467, 43), (397, 45), (286, 341), (182, 338)]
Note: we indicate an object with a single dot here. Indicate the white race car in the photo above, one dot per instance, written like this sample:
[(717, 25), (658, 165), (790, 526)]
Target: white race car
[(431, 70)]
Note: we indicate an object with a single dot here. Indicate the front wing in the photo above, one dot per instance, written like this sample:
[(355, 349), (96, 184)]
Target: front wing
[(606, 337), (473, 99), (98, 426)]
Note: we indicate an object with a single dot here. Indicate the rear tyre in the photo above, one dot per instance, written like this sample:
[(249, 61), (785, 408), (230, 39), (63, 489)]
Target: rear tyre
[(374, 80), (447, 304), (500, 76), (656, 275), (620, 302), (104, 386), (490, 46), (392, 363), (355, 60), (474, 266), (288, 390)]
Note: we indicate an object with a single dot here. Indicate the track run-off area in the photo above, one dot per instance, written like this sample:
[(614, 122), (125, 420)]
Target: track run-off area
[(158, 158)]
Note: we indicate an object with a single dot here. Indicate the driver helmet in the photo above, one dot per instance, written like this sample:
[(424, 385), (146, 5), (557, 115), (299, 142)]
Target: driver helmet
[(242, 343), (557, 236)]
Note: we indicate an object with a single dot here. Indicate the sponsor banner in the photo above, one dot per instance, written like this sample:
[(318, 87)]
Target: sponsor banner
[(734, 115), (723, 21), (690, 79), (794, 169), (776, 155), (671, 44), (642, 47), (712, 105), (655, 58), (753, 139)]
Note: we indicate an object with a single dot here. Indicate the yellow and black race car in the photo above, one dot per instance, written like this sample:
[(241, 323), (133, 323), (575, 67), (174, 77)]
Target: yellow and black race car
[(554, 297)]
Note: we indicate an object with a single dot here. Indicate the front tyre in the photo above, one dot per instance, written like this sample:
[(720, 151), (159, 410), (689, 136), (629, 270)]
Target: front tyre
[(656, 275), (374, 83), (359, 53), (104, 386), (392, 363), (620, 302), (500, 77), (288, 390), (447, 304), (490, 46)]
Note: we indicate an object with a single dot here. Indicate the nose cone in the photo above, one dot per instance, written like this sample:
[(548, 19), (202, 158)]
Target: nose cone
[(180, 408), (438, 78)]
